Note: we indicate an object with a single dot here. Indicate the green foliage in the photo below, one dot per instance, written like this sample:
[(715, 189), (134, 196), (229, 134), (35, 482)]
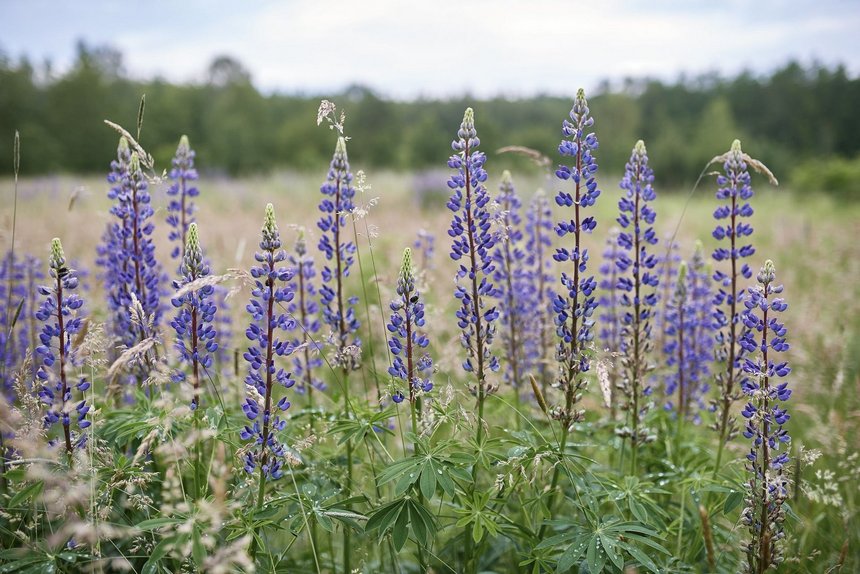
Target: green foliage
[(839, 177)]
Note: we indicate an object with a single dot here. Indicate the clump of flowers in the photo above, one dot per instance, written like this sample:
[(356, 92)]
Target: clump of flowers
[(637, 285), (410, 364), (338, 311), (270, 291), (195, 333), (735, 190), (511, 278), (128, 252), (472, 243), (180, 209), (305, 309), (59, 313), (765, 414), (690, 336), (18, 281), (574, 305)]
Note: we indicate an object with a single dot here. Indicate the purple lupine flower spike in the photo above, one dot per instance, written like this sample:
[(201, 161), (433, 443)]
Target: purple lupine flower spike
[(18, 281), (305, 310), (472, 242), (690, 337), (127, 253), (271, 292), (338, 310), (766, 391), (411, 364), (61, 318), (539, 263), (195, 333), (575, 304), (609, 334), (735, 190), (637, 286), (512, 284), (180, 209)]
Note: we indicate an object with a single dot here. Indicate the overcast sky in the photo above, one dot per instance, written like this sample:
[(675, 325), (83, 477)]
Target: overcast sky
[(406, 48)]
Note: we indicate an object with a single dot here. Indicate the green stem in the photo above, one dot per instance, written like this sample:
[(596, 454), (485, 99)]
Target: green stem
[(681, 522), (556, 474)]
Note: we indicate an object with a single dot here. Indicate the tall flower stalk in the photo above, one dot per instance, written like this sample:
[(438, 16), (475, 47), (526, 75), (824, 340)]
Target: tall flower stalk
[(128, 252), (472, 242), (195, 333), (59, 312), (735, 191), (538, 261), (637, 284), (267, 453), (690, 337), (180, 209), (512, 286), (305, 309), (471, 246), (338, 310), (574, 304), (767, 487), (407, 342)]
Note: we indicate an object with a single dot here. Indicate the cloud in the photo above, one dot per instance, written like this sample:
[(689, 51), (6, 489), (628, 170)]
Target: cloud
[(450, 47)]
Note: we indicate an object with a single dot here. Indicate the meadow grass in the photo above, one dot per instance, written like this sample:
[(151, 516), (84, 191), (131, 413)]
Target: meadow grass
[(812, 239)]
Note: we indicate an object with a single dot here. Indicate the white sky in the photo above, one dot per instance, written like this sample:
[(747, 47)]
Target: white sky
[(406, 48)]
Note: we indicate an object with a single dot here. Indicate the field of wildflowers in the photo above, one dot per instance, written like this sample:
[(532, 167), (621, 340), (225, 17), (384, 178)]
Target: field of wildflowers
[(563, 371)]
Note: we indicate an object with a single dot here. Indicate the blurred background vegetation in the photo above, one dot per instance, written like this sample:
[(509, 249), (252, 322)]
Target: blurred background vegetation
[(801, 121)]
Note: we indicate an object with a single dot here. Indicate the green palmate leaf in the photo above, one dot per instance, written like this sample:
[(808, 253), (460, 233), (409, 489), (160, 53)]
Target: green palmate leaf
[(402, 517), (428, 479), (197, 549), (156, 523), (732, 501), (401, 528)]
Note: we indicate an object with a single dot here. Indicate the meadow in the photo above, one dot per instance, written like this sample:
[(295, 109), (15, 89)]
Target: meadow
[(571, 461)]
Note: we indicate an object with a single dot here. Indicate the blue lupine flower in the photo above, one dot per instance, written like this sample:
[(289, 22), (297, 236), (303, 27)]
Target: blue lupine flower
[(407, 340), (180, 209), (668, 261), (267, 298), (574, 306), (305, 310), (60, 314), (690, 337), (127, 253), (425, 246), (539, 265), (195, 333), (609, 333), (512, 281), (18, 290), (637, 284), (471, 246), (337, 203), (735, 190), (766, 391)]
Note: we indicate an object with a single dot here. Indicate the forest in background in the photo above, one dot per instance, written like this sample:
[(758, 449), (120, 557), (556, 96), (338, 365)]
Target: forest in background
[(802, 121)]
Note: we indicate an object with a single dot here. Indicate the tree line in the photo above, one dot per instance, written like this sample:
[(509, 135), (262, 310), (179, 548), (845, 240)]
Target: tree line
[(794, 115)]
